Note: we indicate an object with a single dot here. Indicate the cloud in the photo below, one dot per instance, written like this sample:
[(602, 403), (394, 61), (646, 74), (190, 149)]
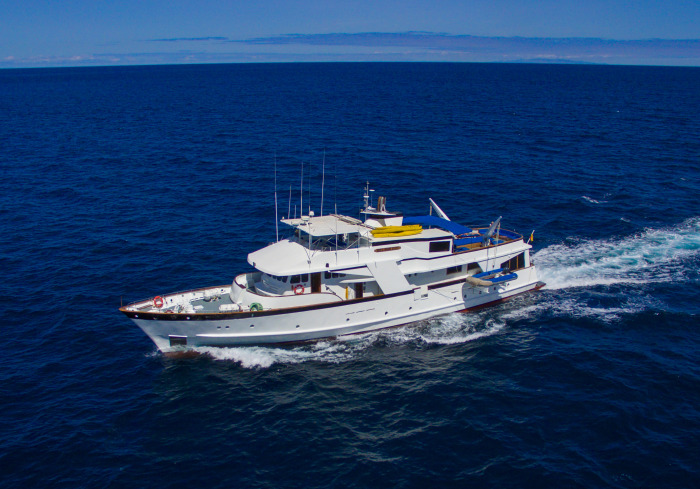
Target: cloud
[(511, 46), (179, 39), (388, 47)]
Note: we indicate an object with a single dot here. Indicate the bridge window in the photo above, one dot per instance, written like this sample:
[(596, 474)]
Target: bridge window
[(438, 246), (515, 263), (456, 269), (333, 275)]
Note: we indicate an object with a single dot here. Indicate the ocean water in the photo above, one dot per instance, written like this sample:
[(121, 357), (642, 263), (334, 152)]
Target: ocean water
[(122, 183)]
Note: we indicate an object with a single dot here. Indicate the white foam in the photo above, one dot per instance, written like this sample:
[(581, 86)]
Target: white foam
[(593, 201), (572, 308), (652, 256), (447, 330)]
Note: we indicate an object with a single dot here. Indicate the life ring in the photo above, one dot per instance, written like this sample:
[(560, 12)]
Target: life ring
[(256, 306), (158, 302), (299, 289)]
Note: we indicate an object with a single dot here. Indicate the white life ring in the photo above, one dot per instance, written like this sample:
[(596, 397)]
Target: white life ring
[(299, 289)]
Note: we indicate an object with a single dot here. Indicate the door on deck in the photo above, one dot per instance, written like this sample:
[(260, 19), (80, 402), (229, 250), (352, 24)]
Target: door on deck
[(315, 282), (359, 289)]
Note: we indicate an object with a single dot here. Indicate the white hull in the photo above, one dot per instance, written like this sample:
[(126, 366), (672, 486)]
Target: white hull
[(331, 319)]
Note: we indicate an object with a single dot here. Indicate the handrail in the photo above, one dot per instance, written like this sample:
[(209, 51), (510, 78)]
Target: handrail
[(180, 292)]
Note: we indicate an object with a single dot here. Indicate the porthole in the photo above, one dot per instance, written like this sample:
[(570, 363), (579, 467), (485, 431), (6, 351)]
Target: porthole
[(387, 312), (410, 308), (252, 325), (297, 326), (227, 327), (348, 319), (218, 327)]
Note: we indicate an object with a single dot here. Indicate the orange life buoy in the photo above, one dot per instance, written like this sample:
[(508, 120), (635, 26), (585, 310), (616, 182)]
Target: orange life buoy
[(158, 302), (299, 289)]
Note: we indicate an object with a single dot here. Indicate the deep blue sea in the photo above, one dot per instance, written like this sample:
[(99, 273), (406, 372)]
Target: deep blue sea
[(123, 183)]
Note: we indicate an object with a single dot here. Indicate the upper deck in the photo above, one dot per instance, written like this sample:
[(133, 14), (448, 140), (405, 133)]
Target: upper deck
[(334, 242)]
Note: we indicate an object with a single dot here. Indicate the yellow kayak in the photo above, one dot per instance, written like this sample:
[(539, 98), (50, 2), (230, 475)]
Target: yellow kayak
[(396, 231)]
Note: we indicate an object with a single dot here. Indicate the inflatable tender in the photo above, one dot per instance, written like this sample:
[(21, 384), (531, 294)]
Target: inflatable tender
[(486, 279)]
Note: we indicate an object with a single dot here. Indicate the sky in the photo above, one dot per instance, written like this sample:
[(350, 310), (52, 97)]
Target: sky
[(105, 32)]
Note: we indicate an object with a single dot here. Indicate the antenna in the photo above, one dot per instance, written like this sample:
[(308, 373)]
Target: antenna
[(277, 231), (301, 204), (289, 210), (323, 181), (366, 196)]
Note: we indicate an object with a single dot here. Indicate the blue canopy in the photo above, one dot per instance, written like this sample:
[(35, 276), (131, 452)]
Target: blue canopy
[(467, 241), (426, 221)]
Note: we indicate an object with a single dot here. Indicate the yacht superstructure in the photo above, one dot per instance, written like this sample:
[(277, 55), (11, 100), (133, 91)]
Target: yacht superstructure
[(337, 275)]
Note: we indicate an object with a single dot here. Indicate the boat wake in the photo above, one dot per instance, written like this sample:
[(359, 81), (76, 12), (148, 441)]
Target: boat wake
[(446, 330), (652, 256), (572, 308), (593, 201)]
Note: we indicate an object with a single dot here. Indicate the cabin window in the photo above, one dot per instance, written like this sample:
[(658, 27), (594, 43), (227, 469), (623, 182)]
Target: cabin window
[(473, 266), (284, 280), (456, 269), (515, 263), (327, 275), (305, 277), (295, 279), (438, 246)]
